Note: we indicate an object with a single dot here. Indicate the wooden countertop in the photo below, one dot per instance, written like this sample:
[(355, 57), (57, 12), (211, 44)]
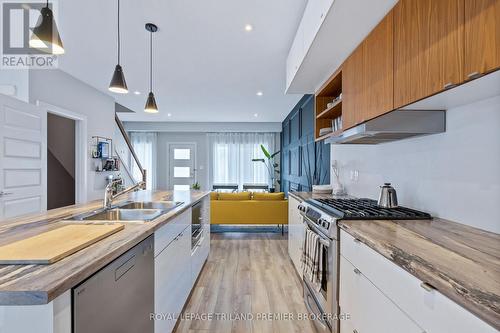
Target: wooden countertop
[(40, 284), (461, 262)]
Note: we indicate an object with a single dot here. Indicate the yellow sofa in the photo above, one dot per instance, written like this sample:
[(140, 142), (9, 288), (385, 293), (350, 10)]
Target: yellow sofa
[(248, 208)]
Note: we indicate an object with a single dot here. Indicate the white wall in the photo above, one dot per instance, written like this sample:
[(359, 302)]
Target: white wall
[(202, 127), (60, 89), (202, 159), (16, 78), (453, 175)]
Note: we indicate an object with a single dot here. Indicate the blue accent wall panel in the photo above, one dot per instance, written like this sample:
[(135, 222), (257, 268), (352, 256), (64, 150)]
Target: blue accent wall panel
[(300, 155)]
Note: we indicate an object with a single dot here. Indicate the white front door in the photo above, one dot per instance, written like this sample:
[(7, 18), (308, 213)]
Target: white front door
[(23, 158), (182, 161)]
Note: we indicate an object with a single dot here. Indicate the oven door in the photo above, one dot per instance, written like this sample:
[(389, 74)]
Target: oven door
[(326, 297), (316, 313)]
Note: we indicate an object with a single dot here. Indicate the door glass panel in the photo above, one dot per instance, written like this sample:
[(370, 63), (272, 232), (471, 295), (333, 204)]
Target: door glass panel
[(181, 187), (182, 154), (182, 172)]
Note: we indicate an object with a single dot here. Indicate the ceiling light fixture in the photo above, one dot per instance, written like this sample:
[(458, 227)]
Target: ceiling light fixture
[(248, 27), (260, 93), (118, 84), (45, 35), (151, 106)]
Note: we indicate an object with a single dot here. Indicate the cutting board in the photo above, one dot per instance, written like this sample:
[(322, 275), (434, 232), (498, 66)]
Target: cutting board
[(51, 246)]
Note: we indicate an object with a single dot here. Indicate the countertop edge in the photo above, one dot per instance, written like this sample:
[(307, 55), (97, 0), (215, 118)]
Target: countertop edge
[(484, 313), (43, 297)]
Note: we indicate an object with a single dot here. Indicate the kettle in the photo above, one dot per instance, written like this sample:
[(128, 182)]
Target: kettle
[(388, 197)]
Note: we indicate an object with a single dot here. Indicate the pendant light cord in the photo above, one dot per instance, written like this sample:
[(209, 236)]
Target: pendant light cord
[(118, 32), (151, 61)]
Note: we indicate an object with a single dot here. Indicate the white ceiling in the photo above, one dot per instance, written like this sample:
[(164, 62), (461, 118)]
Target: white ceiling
[(206, 67)]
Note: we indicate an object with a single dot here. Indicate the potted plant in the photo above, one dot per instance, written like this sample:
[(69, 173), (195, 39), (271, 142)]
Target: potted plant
[(271, 165), (196, 186)]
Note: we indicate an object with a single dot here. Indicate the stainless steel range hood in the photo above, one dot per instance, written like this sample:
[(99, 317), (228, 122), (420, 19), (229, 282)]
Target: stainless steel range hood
[(396, 125)]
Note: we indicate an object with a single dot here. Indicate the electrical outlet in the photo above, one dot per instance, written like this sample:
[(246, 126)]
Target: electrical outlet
[(354, 176)]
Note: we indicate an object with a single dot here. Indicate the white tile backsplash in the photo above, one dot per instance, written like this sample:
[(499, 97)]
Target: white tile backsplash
[(453, 175)]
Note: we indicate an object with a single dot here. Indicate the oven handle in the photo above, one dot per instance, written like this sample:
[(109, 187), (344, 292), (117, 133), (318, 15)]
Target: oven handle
[(322, 239), (200, 234)]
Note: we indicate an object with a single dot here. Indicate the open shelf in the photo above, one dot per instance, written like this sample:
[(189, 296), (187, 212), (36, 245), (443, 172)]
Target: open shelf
[(327, 135), (332, 112), (324, 115)]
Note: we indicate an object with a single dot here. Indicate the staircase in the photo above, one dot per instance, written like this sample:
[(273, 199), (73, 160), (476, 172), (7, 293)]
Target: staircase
[(133, 170)]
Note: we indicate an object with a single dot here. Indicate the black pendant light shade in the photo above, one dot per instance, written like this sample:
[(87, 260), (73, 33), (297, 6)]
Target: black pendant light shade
[(45, 35), (151, 106), (118, 84)]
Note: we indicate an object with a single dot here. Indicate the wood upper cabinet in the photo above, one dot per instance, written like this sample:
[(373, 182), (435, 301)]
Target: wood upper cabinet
[(482, 37), (367, 77), (378, 69), (428, 48), (352, 88)]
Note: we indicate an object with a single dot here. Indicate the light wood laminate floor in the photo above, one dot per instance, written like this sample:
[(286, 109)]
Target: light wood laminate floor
[(246, 274)]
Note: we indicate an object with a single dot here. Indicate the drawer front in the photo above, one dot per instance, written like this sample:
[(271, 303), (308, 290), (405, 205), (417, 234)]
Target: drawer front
[(369, 309), (172, 288), (169, 231), (430, 309)]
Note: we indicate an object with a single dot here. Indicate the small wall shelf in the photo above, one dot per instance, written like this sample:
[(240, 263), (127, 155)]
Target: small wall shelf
[(327, 135), (332, 112), (325, 115)]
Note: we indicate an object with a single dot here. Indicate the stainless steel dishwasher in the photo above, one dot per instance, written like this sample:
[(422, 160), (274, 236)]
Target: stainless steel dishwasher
[(120, 297)]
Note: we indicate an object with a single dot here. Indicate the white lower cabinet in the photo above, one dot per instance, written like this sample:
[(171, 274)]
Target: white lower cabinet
[(369, 309), (177, 266), (172, 281), (429, 309), (296, 232)]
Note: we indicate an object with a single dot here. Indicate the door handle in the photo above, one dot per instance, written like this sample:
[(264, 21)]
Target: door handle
[(2, 193), (449, 85), (427, 287), (473, 75)]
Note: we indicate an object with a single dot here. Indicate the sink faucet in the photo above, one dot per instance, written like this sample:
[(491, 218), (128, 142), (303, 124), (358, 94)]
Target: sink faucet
[(109, 196)]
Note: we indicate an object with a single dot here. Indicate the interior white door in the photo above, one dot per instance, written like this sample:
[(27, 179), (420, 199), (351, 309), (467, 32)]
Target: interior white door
[(182, 161), (23, 158)]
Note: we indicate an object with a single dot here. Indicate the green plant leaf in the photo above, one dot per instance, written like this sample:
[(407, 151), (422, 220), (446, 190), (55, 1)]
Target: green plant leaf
[(264, 150)]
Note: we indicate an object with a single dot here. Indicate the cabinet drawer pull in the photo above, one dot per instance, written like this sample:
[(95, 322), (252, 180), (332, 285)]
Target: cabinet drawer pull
[(473, 75), (449, 85), (427, 286), (357, 271)]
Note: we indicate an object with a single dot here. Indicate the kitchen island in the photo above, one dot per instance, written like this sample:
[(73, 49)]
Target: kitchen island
[(40, 295)]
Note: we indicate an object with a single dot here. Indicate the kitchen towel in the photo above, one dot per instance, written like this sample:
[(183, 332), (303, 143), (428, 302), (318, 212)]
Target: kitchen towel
[(312, 257)]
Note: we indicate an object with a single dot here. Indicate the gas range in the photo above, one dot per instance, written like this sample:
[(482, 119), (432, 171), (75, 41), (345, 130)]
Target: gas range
[(366, 209), (324, 213)]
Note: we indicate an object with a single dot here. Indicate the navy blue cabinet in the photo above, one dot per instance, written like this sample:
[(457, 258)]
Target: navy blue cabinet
[(303, 161)]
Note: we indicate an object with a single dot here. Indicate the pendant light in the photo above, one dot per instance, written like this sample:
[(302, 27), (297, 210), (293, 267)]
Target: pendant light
[(118, 84), (45, 35), (151, 106)]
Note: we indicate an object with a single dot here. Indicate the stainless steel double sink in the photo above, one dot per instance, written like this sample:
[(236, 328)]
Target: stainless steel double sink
[(130, 211)]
